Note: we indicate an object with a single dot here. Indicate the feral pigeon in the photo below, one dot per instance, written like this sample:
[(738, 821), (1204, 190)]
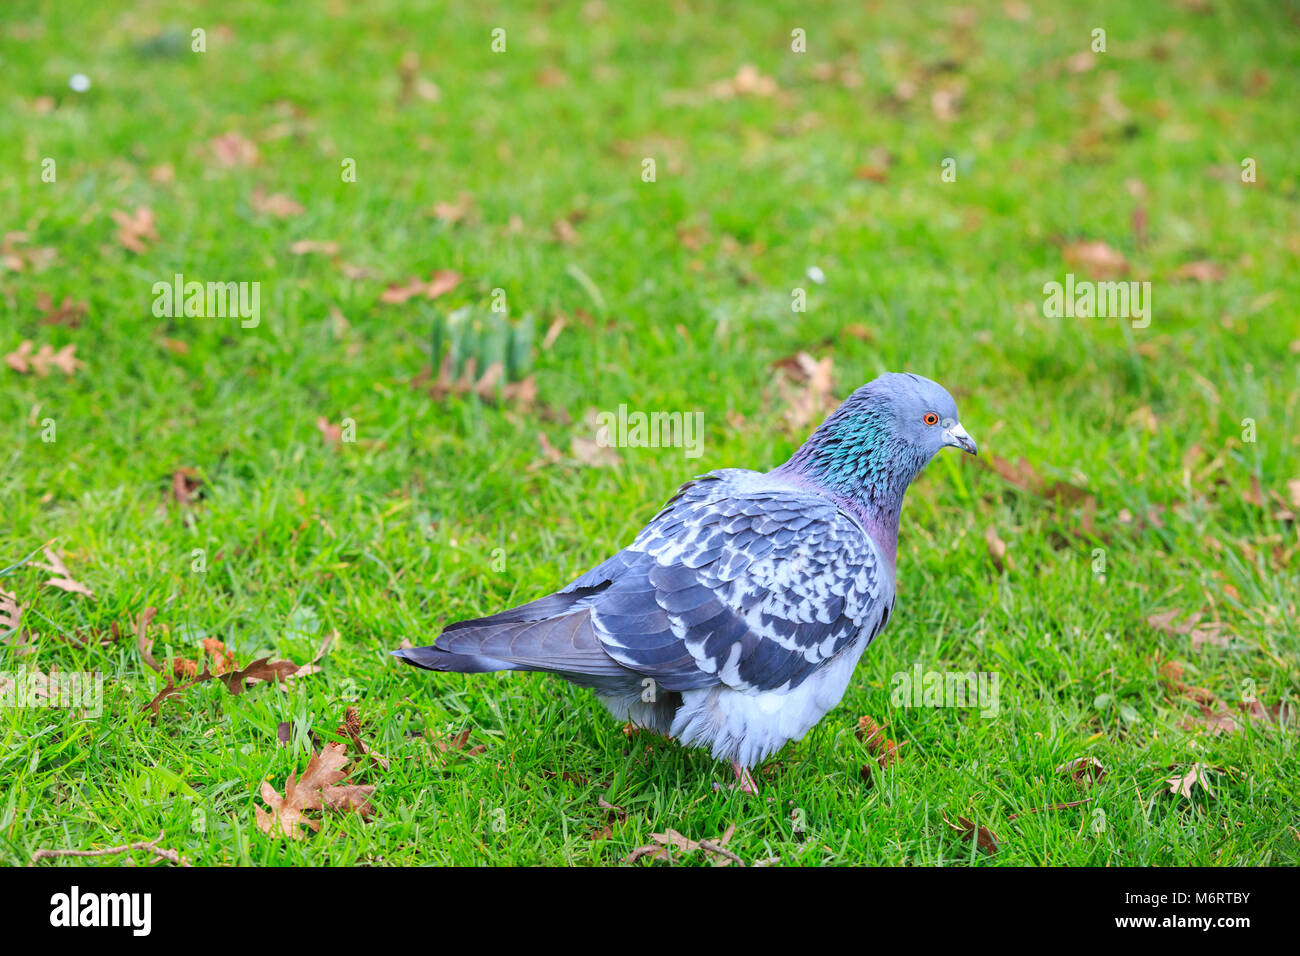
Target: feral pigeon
[(735, 619)]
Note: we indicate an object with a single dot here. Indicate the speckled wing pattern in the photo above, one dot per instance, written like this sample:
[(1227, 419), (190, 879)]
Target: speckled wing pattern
[(738, 584)]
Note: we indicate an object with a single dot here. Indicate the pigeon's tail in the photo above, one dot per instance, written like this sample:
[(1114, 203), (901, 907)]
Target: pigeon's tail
[(565, 643), (434, 658)]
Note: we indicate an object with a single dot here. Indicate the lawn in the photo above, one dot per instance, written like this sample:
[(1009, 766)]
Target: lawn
[(894, 196)]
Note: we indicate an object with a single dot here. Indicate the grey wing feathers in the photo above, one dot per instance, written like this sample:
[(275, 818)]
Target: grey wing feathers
[(753, 590), (748, 587)]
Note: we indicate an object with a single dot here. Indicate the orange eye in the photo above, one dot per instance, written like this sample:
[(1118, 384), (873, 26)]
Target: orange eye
[(931, 418)]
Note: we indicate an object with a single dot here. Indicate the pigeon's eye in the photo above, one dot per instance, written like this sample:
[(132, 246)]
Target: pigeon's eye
[(931, 418)]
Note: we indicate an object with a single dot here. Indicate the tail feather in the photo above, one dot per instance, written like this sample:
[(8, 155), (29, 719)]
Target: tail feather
[(566, 644), (434, 658)]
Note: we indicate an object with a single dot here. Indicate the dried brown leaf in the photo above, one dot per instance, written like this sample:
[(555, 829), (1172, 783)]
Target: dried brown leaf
[(186, 486), (262, 669), (319, 788), (1183, 784), (440, 283), (984, 838), (1202, 271), (1096, 258), (808, 405), (69, 314), (276, 204), (41, 361), (997, 550), (134, 228), (62, 579), (234, 149), (305, 247), (11, 612), (873, 735), (1084, 771), (144, 643)]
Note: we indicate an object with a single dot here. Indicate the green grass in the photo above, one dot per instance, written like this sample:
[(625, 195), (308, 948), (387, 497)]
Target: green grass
[(396, 534)]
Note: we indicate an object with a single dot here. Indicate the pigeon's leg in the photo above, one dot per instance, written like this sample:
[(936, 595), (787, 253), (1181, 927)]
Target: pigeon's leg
[(744, 782)]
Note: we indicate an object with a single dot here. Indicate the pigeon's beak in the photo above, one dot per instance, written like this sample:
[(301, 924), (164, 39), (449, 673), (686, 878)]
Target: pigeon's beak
[(957, 437)]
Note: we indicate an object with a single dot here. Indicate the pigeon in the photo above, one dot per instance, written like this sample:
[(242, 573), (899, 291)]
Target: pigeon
[(735, 619)]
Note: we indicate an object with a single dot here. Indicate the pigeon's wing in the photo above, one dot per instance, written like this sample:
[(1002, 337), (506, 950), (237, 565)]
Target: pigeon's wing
[(730, 584)]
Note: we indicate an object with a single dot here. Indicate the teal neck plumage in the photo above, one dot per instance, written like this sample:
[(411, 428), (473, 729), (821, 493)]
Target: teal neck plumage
[(857, 458)]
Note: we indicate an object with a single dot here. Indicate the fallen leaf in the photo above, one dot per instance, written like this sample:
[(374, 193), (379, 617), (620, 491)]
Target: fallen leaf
[(24, 360), (1211, 633), (943, 103), (234, 149), (262, 669), (351, 728), (182, 667), (319, 788), (11, 612), (1182, 784), (550, 454), (997, 550), (1024, 476), (186, 486), (557, 326), (809, 405), (69, 314), (408, 70), (277, 204), (223, 661), (134, 228), (1084, 771), (590, 452), (144, 643), (15, 255), (1279, 714), (62, 577), (1202, 271), (664, 844), (305, 247), (984, 838), (1081, 62), (1171, 674), (440, 282), (564, 232), (453, 212), (1054, 806), (1216, 721), (873, 735), (454, 743), (521, 393), (748, 81), (1096, 258), (330, 434)]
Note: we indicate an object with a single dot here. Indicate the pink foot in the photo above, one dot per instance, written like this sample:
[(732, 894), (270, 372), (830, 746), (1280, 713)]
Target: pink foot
[(744, 782)]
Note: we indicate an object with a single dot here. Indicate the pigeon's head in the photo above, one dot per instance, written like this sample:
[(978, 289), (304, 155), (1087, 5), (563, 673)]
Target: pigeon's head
[(884, 434), (924, 414)]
